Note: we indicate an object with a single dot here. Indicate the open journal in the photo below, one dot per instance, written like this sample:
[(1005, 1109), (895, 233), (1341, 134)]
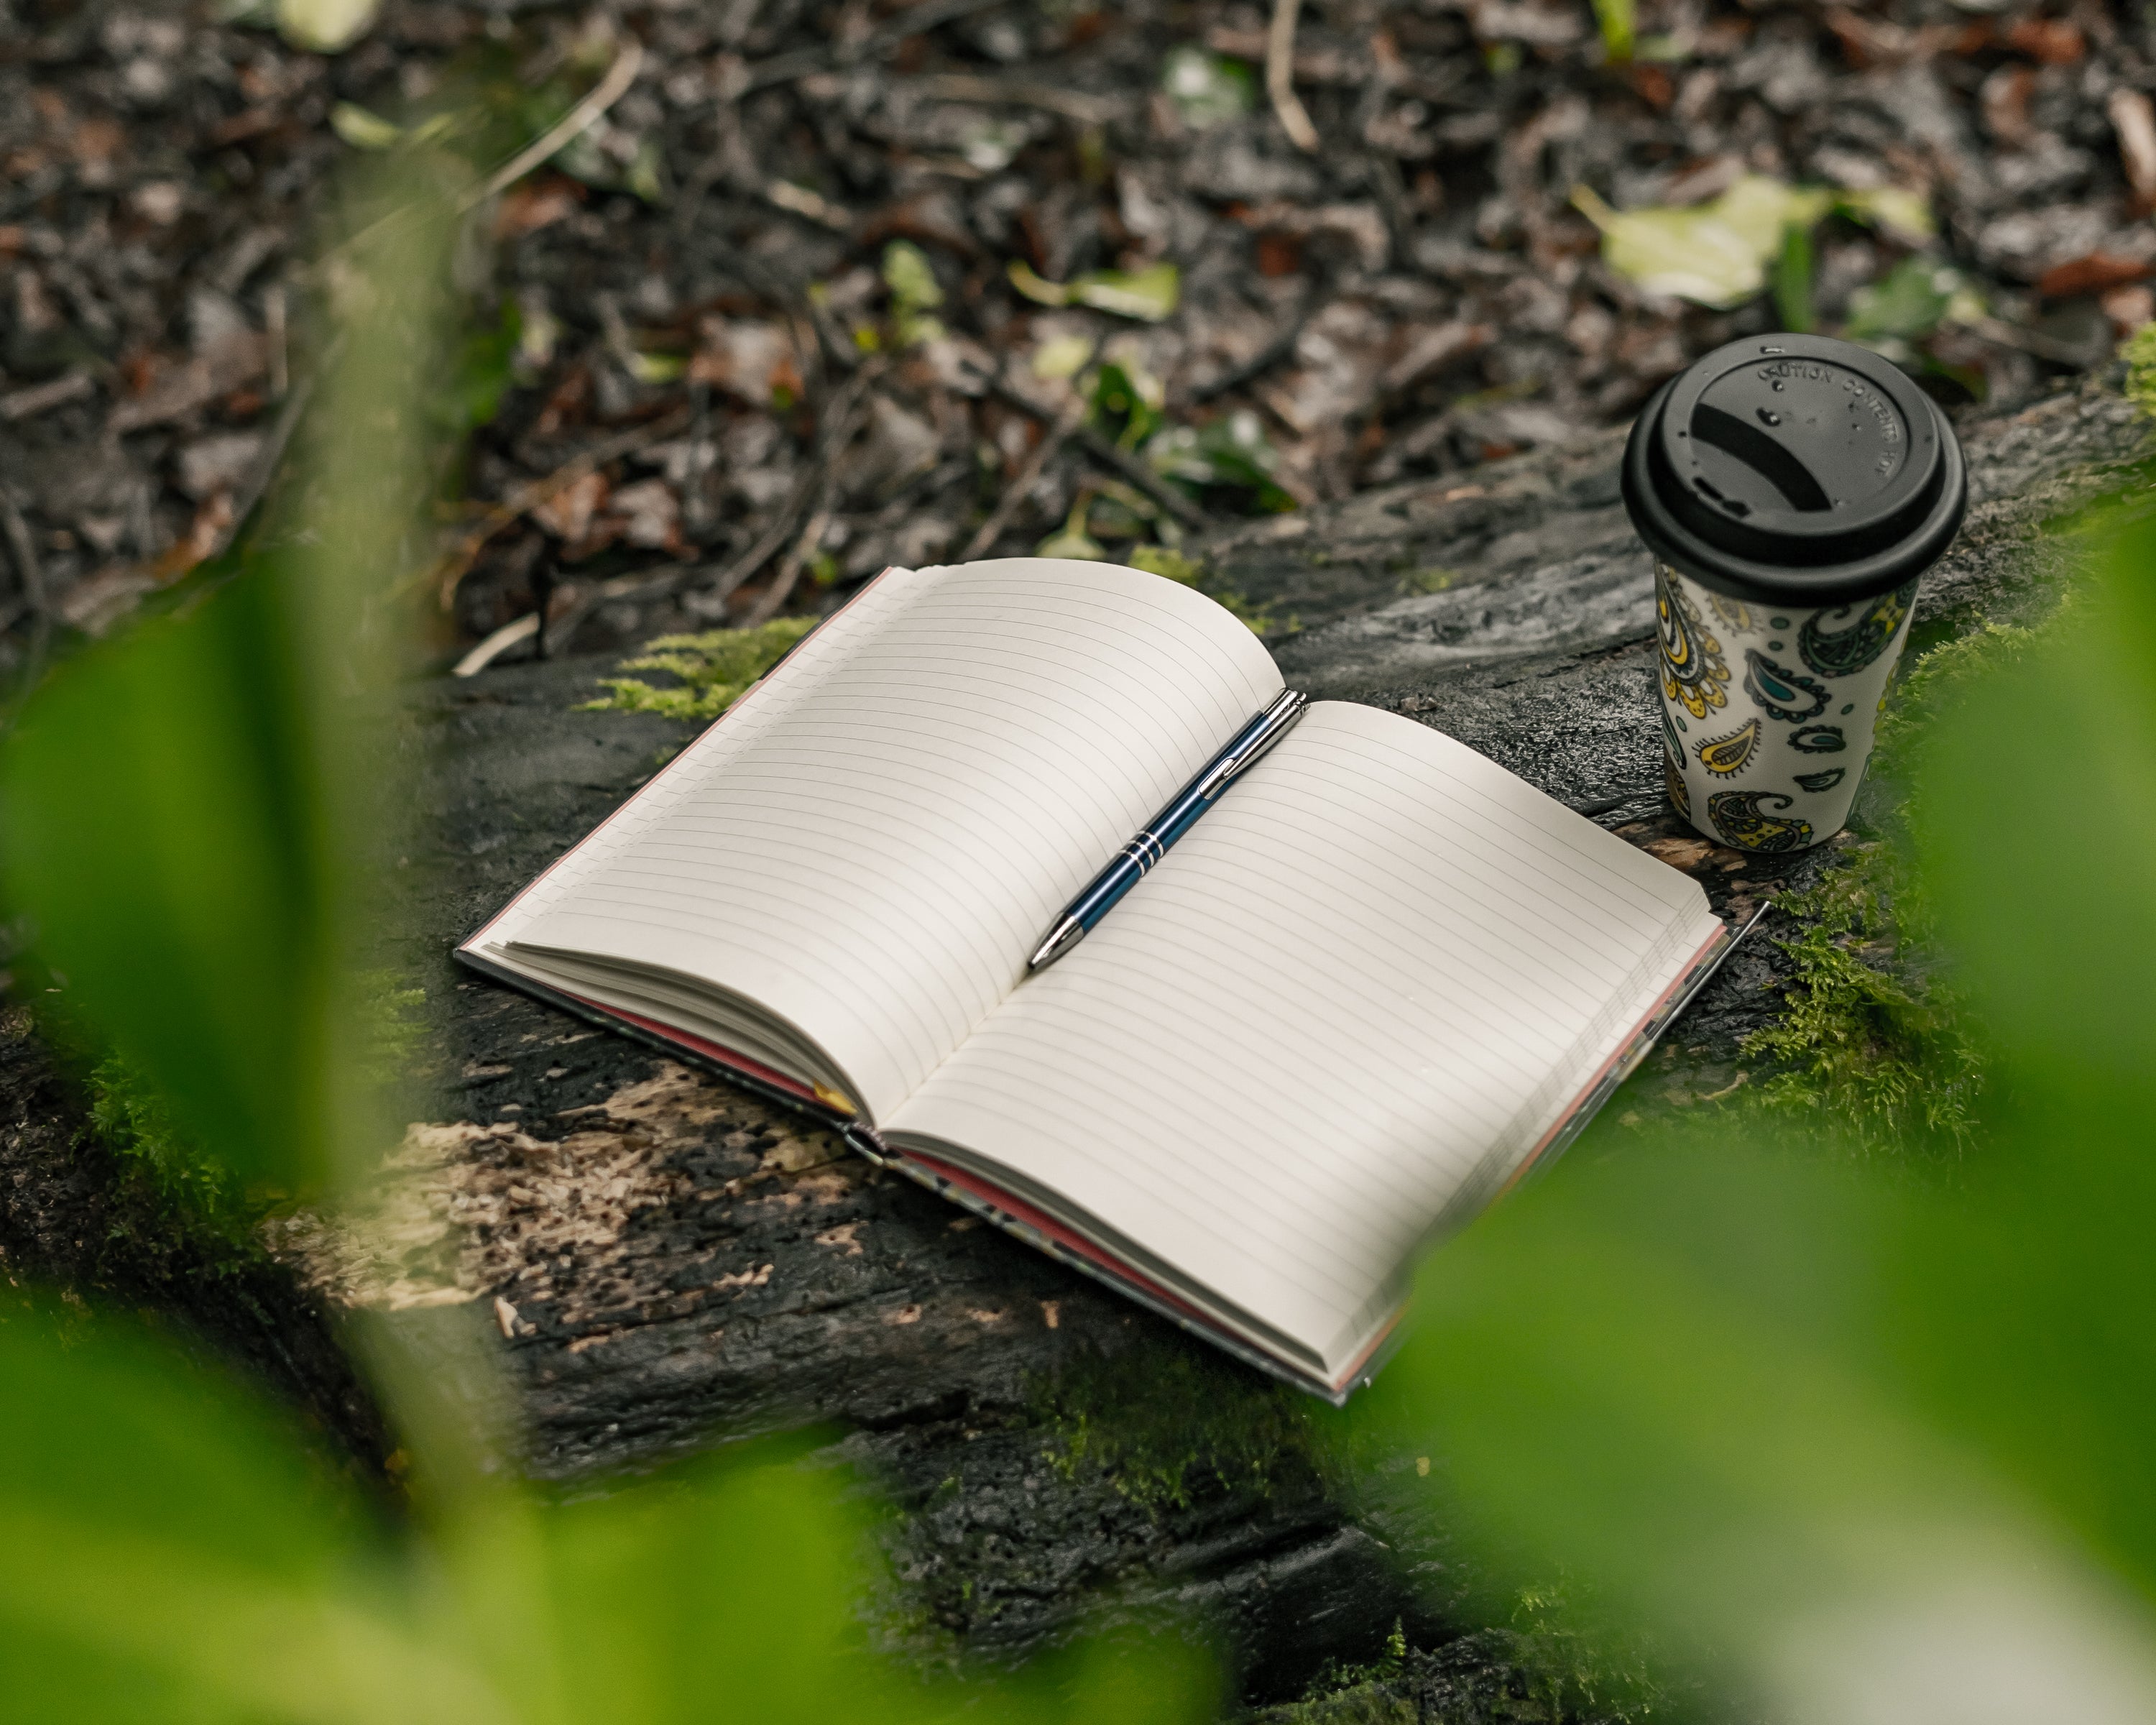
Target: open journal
[(1376, 981)]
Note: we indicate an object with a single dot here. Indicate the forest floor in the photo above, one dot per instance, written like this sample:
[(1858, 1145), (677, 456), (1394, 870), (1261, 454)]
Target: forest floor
[(809, 288)]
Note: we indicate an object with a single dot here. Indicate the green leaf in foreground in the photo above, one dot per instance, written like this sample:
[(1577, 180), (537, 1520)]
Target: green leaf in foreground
[(167, 1551), (160, 820), (1819, 1415)]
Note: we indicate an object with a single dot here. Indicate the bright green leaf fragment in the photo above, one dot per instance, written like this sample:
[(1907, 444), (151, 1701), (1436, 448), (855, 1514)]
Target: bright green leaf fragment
[(362, 128), (1128, 400), (715, 669), (1061, 357), (1906, 215), (325, 26), (914, 292), (1230, 451), (1148, 294), (911, 281), (1071, 540), (1205, 91), (1619, 23), (1714, 254), (1908, 303)]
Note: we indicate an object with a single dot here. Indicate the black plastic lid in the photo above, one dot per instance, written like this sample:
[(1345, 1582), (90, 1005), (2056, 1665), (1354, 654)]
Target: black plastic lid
[(1795, 470)]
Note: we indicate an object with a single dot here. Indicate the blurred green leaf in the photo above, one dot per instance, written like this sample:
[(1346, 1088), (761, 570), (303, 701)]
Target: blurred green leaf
[(914, 292), (325, 26), (1148, 294), (1129, 402), (1714, 253), (1905, 214), (161, 824), (484, 367), (1793, 280), (1071, 540), (1817, 1412), (1617, 22), (1206, 91), (1907, 304), (1232, 450), (363, 129), (171, 1556)]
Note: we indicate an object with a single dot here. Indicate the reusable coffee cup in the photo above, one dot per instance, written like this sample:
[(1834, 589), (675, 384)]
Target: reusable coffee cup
[(1793, 489)]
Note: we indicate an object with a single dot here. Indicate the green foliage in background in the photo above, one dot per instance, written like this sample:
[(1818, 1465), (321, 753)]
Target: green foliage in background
[(1877, 1439), (715, 670)]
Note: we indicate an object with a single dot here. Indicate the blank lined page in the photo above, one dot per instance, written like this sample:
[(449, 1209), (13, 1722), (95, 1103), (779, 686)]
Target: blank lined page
[(874, 857), (1369, 980)]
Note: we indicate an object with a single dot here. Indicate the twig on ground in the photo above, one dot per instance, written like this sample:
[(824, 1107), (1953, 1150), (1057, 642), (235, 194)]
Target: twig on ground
[(273, 329), (1053, 437), (30, 578), (1140, 475), (827, 336), (601, 96), (43, 397), (1279, 76), (453, 566), (789, 572), (837, 429), (1266, 357), (1136, 471), (583, 600), (1085, 109), (809, 206), (264, 468), (2133, 118)]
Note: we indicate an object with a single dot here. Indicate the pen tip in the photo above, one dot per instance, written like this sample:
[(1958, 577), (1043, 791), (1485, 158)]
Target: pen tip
[(1066, 935)]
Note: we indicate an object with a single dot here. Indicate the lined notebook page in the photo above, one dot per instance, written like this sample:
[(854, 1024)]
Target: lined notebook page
[(1372, 976), (873, 860)]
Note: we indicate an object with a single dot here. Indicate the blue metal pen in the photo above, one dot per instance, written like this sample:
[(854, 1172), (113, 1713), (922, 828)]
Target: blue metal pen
[(1164, 828)]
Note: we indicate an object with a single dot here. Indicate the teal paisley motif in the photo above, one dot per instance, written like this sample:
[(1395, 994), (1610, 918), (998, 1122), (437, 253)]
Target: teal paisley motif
[(1822, 781), (1680, 798), (1737, 817), (1785, 694), (1693, 672), (1817, 740), (1672, 745), (1839, 652)]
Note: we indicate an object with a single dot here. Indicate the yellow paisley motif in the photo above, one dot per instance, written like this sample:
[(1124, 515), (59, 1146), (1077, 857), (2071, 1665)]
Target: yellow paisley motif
[(1725, 757), (1693, 673)]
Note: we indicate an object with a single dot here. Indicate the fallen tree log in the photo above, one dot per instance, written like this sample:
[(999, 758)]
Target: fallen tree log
[(663, 1262)]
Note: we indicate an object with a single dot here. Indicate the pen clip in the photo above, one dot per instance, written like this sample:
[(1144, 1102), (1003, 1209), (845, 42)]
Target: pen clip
[(1271, 725)]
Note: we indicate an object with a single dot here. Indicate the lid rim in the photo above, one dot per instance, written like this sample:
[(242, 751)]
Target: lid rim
[(1757, 581)]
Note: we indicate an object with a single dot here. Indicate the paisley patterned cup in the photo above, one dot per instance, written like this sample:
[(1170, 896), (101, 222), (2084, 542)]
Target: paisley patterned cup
[(1793, 489), (1768, 710)]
